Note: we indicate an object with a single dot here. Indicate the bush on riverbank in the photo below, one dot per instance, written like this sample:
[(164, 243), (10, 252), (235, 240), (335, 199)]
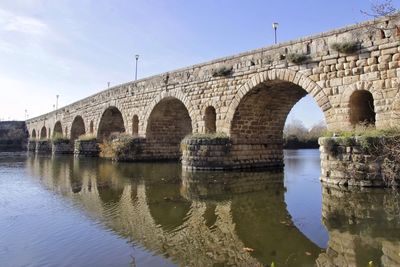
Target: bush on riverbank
[(297, 136), (13, 135)]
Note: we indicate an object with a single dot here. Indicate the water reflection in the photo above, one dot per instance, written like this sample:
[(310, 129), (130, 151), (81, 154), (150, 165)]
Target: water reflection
[(208, 219), (196, 220), (363, 225)]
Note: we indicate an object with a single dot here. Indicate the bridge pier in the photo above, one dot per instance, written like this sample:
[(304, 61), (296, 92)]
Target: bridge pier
[(31, 145), (221, 153), (43, 147), (86, 148), (62, 146), (359, 161)]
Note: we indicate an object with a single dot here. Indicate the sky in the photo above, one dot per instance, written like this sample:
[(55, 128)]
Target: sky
[(74, 48)]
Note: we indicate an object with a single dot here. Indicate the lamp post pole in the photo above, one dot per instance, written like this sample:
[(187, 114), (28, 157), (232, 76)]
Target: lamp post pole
[(57, 96), (275, 27), (137, 58)]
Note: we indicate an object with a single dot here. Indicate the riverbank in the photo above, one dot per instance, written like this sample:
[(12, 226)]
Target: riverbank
[(13, 136)]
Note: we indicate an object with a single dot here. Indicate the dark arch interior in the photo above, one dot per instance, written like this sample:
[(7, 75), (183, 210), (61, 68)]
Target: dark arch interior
[(91, 128), (77, 128), (362, 108), (111, 122), (57, 129), (168, 124), (210, 119), (43, 133), (135, 125), (33, 133)]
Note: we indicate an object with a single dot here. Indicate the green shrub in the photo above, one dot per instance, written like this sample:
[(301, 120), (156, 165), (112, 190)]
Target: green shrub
[(207, 136), (87, 137), (222, 71), (297, 58), (346, 47)]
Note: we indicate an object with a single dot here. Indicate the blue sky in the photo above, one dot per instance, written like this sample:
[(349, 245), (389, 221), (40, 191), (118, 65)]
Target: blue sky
[(73, 48)]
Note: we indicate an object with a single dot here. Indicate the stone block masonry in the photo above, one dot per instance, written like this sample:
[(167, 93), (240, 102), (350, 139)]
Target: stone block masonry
[(358, 161), (250, 102)]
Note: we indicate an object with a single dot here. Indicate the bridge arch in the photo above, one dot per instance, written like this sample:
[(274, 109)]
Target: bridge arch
[(77, 127), (291, 81), (111, 121), (361, 88), (57, 130), (165, 96), (167, 124), (33, 135), (43, 133)]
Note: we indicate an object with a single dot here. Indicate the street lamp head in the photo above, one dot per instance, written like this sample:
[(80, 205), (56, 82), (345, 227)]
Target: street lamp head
[(137, 57), (275, 25)]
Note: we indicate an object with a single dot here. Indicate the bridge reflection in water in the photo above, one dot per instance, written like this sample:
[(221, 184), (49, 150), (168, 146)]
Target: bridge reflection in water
[(204, 219)]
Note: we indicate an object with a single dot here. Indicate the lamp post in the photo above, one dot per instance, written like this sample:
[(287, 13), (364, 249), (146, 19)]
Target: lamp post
[(137, 58), (275, 27), (57, 96)]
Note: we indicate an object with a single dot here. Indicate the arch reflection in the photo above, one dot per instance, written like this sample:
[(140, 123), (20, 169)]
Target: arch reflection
[(198, 219)]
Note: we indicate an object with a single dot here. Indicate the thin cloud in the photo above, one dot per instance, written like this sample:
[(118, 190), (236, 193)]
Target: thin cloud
[(11, 22)]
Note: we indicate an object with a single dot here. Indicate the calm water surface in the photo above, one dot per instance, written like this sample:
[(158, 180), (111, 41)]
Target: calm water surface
[(64, 211)]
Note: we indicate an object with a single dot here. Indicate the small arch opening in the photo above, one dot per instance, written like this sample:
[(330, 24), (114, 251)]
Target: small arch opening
[(77, 128), (33, 134), (43, 133), (210, 119), (57, 129), (91, 127), (362, 109), (111, 122), (382, 34), (49, 133), (135, 125)]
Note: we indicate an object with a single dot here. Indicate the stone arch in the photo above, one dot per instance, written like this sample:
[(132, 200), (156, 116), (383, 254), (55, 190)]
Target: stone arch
[(274, 77), (361, 107), (168, 123), (210, 120), (43, 133), (377, 96), (77, 127), (164, 95), (91, 127), (33, 135), (57, 130), (135, 125), (111, 122), (257, 115)]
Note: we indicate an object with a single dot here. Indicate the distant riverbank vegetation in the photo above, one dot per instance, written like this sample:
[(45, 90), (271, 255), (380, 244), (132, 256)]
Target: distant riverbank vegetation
[(297, 136)]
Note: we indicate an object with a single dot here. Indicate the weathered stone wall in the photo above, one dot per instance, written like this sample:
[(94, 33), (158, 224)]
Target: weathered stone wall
[(86, 148), (62, 146), (43, 147), (349, 161), (205, 154), (252, 100)]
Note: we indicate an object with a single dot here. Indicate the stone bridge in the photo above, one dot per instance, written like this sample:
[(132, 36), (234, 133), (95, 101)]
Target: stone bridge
[(352, 74)]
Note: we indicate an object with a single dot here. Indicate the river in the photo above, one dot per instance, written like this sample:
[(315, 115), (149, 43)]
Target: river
[(65, 211)]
